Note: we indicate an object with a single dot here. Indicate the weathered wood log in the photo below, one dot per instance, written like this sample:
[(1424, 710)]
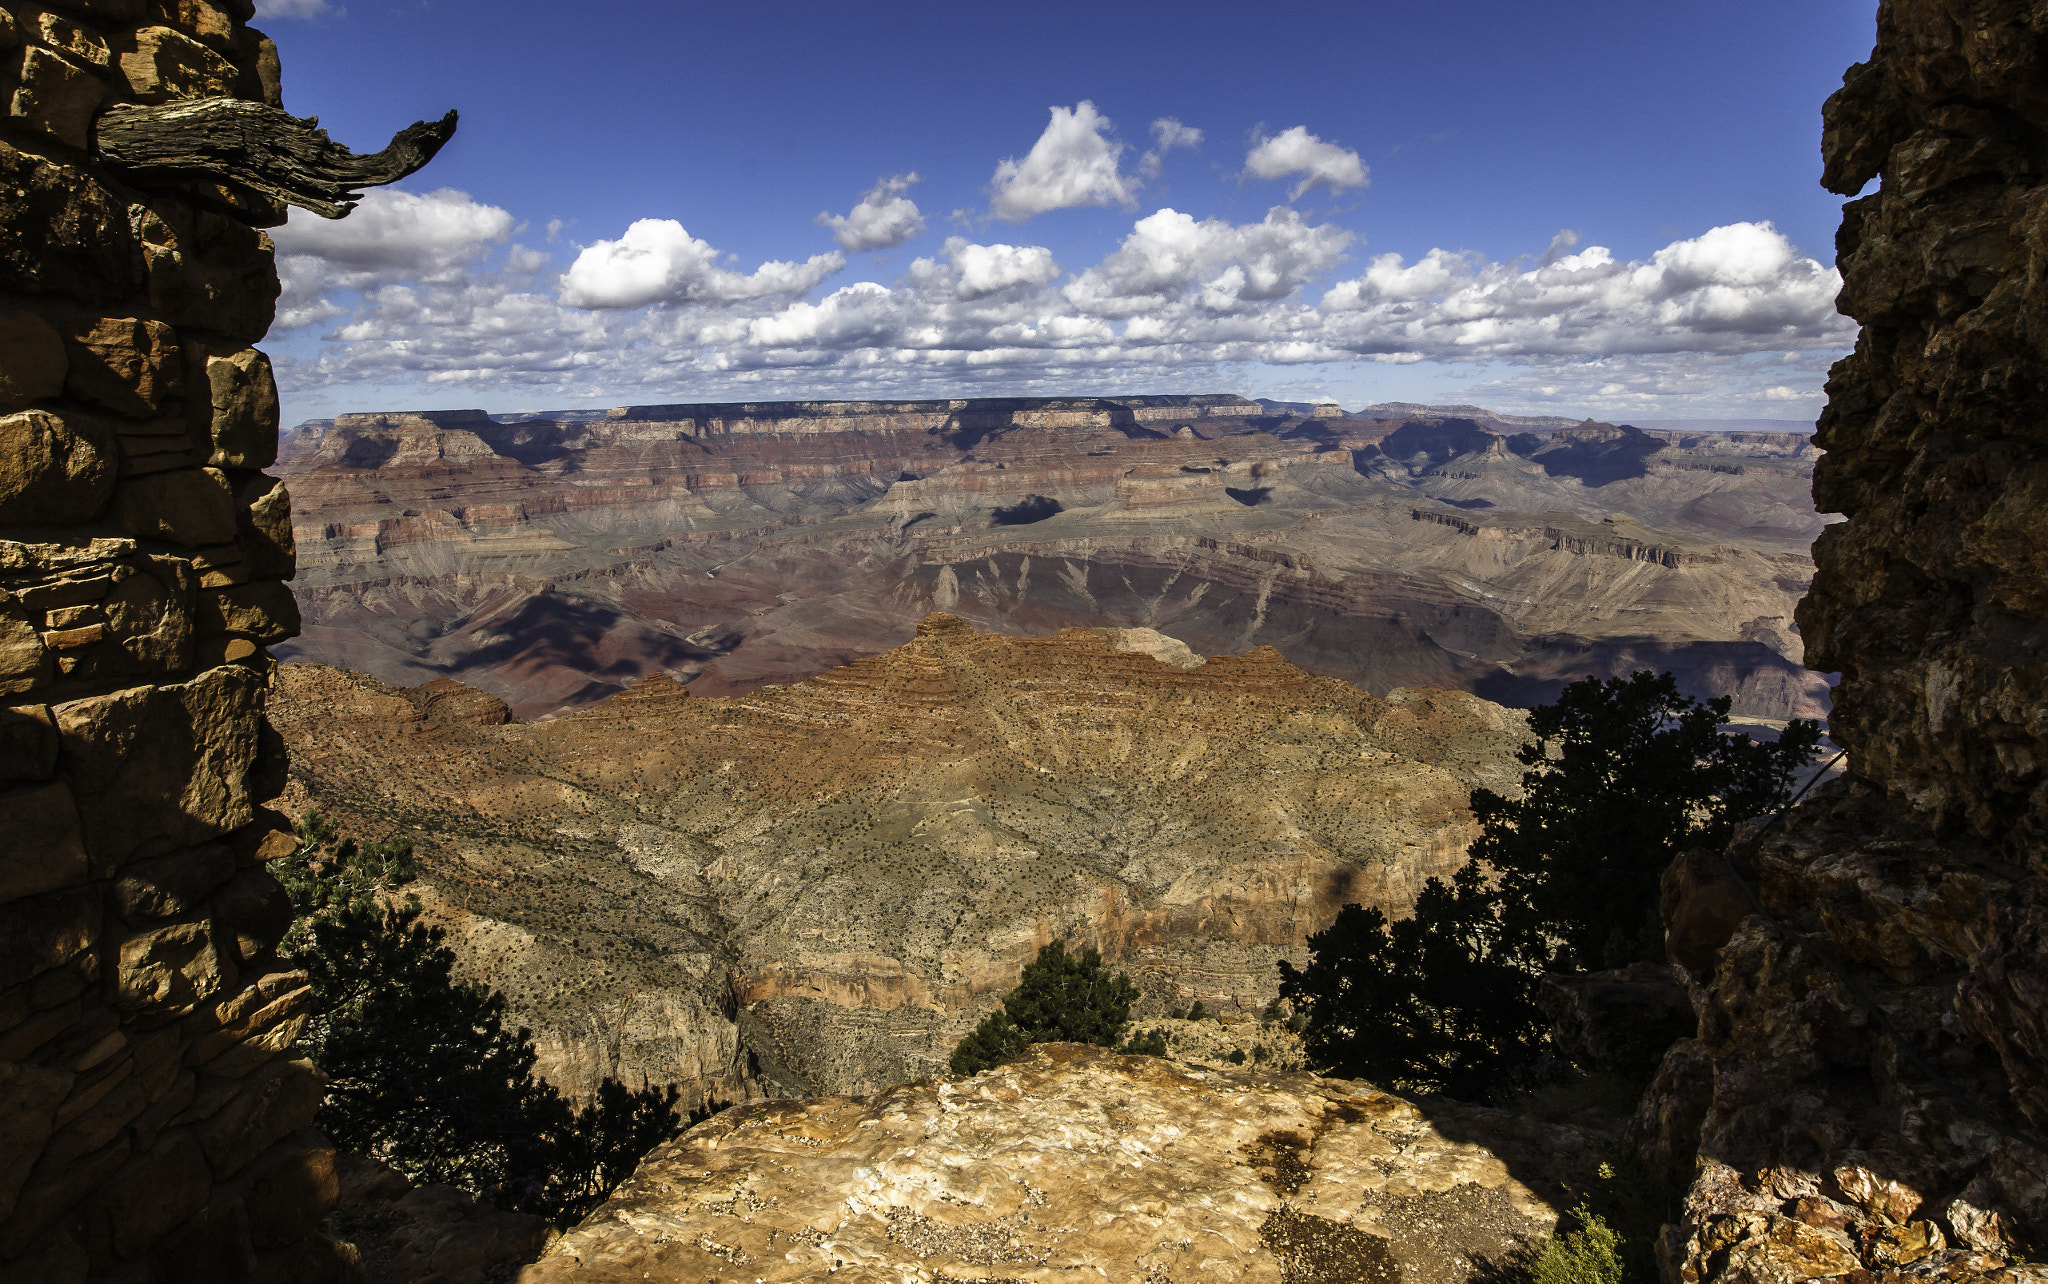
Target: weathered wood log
[(259, 148)]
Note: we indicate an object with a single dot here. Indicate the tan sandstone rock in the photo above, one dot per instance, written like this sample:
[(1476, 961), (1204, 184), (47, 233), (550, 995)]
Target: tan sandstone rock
[(1068, 1162), (55, 96), (54, 470), (32, 360)]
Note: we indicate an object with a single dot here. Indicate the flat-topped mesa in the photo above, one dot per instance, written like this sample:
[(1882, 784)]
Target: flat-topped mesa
[(737, 543), (958, 415)]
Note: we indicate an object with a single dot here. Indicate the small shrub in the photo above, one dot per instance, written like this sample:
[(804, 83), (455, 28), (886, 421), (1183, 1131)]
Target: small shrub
[(1152, 1043), (1588, 1255), (1196, 1012), (1061, 998)]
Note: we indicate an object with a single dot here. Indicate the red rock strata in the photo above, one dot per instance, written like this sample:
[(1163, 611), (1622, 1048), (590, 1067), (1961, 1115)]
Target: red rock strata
[(553, 562)]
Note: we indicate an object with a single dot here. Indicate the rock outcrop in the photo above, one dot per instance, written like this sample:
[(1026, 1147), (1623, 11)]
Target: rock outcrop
[(154, 1119), (1829, 1144), (821, 888), (1072, 1162), (555, 560)]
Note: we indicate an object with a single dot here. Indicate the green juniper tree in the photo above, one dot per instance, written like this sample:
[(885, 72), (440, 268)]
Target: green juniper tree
[(422, 1071), (1623, 775), (1061, 998)]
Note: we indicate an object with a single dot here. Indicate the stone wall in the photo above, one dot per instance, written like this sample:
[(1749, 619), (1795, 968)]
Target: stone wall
[(154, 1121), (1824, 1144)]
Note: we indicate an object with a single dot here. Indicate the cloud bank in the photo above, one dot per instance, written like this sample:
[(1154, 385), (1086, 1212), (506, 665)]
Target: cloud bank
[(433, 289)]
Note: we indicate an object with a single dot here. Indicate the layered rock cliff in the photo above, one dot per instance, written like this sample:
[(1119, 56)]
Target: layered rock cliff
[(820, 888), (1868, 1091), (553, 561)]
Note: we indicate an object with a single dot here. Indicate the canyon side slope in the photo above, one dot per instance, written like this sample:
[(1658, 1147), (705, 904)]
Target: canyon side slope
[(556, 560), (820, 888)]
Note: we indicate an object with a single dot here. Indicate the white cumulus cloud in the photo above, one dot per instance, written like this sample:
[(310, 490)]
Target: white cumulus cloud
[(1167, 134), (1168, 253), (1073, 163), (984, 269), (1733, 289), (657, 261), (1296, 151), (884, 219)]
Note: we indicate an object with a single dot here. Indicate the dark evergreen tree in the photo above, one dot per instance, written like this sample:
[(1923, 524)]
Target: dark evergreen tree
[(422, 1071), (1623, 775), (1061, 998)]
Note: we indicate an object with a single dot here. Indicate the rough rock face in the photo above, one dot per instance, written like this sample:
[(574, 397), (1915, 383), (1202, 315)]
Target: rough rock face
[(1072, 1162), (554, 561), (820, 888), (154, 1120), (1825, 1145)]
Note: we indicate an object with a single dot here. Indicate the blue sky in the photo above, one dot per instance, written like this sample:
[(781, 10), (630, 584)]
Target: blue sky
[(1197, 197)]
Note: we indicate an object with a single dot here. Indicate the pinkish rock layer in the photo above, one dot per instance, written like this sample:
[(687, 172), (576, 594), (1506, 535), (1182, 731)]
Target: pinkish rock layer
[(553, 561)]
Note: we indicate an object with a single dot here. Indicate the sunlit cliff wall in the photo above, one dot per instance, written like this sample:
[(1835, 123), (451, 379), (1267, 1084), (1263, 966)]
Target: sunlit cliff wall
[(154, 1123)]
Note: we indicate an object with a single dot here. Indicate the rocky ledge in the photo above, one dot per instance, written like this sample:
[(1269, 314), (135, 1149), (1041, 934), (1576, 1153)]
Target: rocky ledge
[(1075, 1163)]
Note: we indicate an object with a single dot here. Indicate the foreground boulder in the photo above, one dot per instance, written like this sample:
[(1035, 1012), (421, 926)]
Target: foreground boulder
[(1073, 1162)]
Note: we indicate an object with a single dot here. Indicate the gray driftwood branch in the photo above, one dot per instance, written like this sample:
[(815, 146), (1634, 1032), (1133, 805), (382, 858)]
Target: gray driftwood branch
[(260, 148)]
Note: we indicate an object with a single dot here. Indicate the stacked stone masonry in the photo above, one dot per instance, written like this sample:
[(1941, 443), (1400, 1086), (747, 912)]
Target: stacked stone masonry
[(1822, 1147), (154, 1120)]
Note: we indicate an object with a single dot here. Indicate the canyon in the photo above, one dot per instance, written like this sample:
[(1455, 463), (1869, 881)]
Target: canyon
[(820, 888), (553, 560)]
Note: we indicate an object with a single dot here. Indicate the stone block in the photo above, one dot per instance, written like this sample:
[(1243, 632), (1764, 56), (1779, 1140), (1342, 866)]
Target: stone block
[(269, 837), (54, 1189), (262, 79), (57, 1258), (214, 1245), (29, 1098), (150, 617), (68, 37), (61, 232), (32, 360), (263, 515), (208, 271), (238, 410), (54, 471), (38, 933), (161, 64), (189, 506), (214, 24), (126, 365), (290, 1189), (276, 1101), (25, 661), (173, 884), (254, 1037), (54, 96), (28, 743), (170, 970), (263, 611), (254, 910), (149, 1196), (157, 768), (10, 31), (44, 848)]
